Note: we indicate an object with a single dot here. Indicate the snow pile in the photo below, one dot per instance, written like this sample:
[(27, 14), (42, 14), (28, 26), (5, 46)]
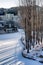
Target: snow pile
[(35, 54)]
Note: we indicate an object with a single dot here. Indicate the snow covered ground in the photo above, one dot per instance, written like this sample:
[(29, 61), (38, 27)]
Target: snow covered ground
[(11, 50)]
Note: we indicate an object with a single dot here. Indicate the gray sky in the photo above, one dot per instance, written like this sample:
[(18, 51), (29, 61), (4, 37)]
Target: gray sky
[(40, 2), (13, 3), (8, 3)]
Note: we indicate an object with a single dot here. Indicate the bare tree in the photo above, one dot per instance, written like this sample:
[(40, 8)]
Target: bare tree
[(25, 10), (31, 21)]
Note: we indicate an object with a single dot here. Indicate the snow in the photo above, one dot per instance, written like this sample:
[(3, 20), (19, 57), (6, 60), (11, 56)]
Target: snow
[(11, 50), (28, 61), (10, 36)]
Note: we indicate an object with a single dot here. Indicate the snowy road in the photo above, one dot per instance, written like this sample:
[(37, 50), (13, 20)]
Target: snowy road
[(10, 50)]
